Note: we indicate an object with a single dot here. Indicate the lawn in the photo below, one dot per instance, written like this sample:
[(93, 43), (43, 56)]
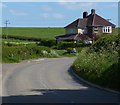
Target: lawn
[(34, 32)]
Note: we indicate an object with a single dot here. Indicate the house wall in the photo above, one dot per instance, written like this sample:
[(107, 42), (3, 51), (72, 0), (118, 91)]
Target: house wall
[(71, 30), (99, 31), (94, 35), (113, 30)]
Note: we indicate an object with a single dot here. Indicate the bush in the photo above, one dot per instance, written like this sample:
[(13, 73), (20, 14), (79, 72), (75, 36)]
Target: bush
[(65, 45), (69, 50), (17, 53), (100, 63), (47, 42), (21, 38)]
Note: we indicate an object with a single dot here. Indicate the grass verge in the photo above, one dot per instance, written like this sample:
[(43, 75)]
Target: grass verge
[(100, 64)]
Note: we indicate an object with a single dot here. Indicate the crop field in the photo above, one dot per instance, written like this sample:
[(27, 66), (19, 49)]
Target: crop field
[(34, 32)]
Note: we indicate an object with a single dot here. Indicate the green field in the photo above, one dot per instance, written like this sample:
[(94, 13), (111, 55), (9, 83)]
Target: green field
[(34, 32)]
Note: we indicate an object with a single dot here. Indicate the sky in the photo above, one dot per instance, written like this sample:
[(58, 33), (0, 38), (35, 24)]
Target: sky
[(54, 14)]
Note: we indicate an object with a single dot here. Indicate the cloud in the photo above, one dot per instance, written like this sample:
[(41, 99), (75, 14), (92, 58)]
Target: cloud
[(52, 15), (45, 15), (113, 5), (18, 13), (58, 15), (77, 5), (46, 8), (2, 5)]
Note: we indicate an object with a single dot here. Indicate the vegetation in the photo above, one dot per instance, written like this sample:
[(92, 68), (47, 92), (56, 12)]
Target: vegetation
[(33, 32), (18, 53), (66, 45), (17, 50), (100, 63)]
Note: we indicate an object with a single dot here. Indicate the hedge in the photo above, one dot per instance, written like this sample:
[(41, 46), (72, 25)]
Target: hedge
[(47, 42), (65, 45)]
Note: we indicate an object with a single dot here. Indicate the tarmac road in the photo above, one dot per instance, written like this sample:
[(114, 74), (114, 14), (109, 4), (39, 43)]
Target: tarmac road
[(49, 81)]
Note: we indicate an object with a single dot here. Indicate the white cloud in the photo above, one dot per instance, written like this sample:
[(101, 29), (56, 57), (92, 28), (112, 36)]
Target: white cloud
[(52, 15), (113, 5), (2, 5), (18, 13), (77, 5), (46, 8), (58, 15), (45, 15)]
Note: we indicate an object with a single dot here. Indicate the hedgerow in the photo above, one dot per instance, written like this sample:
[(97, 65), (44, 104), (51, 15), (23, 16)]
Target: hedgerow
[(100, 63), (18, 53)]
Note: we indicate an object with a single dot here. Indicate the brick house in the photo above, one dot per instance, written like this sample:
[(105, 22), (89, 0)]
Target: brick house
[(88, 28)]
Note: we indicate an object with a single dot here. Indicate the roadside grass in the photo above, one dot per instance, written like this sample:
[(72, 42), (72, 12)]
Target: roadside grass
[(17, 52), (34, 32), (100, 64)]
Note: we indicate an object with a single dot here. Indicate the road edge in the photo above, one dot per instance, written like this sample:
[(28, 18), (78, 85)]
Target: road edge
[(91, 84)]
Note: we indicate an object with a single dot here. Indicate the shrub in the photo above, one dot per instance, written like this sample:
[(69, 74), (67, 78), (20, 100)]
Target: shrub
[(21, 38), (17, 53), (47, 42), (100, 63), (69, 50), (65, 45)]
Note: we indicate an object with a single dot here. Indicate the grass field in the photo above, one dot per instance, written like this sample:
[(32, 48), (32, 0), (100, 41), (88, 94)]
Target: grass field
[(34, 32), (37, 32)]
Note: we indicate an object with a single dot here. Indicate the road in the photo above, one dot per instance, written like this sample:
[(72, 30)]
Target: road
[(49, 81)]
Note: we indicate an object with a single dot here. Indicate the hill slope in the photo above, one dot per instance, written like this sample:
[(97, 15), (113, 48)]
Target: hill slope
[(34, 32)]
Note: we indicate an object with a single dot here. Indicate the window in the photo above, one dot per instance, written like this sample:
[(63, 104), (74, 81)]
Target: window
[(107, 29), (96, 29)]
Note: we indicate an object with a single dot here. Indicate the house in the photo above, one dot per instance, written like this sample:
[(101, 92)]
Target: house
[(87, 29)]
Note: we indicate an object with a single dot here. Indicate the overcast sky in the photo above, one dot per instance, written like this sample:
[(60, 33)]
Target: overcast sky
[(54, 14)]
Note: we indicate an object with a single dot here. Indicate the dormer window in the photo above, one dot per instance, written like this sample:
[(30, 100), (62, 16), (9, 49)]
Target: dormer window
[(107, 29)]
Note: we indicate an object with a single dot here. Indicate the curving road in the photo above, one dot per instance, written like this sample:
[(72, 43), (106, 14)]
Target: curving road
[(49, 81)]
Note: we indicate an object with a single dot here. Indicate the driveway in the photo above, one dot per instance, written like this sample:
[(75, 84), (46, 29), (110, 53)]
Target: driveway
[(49, 80)]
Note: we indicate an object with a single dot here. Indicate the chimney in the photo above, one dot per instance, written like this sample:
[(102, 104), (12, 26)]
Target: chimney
[(85, 14), (92, 11)]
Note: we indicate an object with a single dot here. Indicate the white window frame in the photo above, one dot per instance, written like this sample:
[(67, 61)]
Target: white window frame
[(107, 29), (96, 29)]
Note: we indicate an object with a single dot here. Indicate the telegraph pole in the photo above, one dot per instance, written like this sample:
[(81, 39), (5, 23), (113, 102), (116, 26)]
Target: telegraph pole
[(6, 23)]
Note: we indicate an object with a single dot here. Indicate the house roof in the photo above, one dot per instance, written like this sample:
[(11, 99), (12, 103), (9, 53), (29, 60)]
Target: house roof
[(83, 37), (78, 23), (73, 36), (96, 20), (70, 36), (90, 20)]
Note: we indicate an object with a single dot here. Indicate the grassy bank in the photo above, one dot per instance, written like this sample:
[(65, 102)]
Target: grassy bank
[(17, 53), (17, 50), (100, 64), (34, 32)]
